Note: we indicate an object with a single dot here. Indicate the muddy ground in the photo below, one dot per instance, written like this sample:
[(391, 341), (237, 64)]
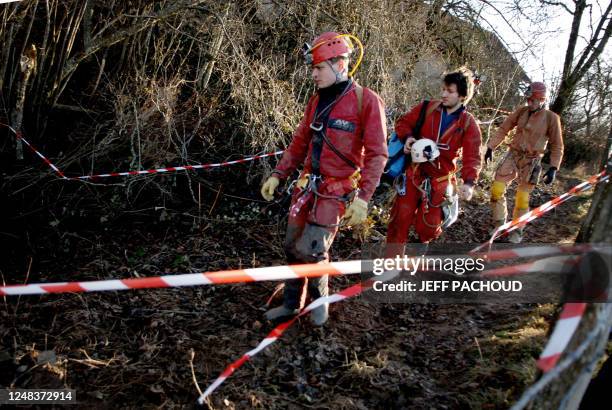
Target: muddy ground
[(132, 349)]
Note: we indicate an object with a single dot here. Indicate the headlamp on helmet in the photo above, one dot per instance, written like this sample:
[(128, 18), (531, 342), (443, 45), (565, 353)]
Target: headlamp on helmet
[(307, 53), (330, 45)]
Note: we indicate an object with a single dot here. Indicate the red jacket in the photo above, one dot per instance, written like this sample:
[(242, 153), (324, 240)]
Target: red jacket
[(365, 145), (462, 134)]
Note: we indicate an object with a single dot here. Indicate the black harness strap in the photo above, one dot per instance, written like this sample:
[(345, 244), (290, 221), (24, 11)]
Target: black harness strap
[(416, 132), (319, 126)]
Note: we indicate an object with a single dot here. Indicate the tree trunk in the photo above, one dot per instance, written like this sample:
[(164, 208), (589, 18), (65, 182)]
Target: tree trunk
[(435, 12), (566, 391), (592, 228), (27, 66), (574, 71)]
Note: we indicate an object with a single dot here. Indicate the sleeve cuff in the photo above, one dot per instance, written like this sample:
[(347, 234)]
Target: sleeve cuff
[(278, 174), (362, 195)]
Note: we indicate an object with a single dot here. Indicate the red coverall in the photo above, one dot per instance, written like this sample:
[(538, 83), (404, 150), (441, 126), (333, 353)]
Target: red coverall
[(410, 209), (313, 220)]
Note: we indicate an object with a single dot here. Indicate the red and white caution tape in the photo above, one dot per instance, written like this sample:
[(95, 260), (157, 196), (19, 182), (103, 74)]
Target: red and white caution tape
[(143, 172), (602, 325), (572, 312), (542, 209), (274, 273), (562, 334), (177, 168), (551, 265), (191, 279), (555, 264), (494, 109), (19, 137), (485, 122), (278, 331), (536, 251), (46, 161), (571, 315)]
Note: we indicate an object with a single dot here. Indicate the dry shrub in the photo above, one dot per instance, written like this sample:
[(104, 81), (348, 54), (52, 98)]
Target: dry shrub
[(206, 81)]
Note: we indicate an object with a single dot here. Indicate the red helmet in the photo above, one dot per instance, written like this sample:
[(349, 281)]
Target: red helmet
[(327, 45), (536, 90)]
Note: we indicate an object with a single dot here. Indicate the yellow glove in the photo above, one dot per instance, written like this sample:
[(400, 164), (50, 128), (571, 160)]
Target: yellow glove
[(268, 188), (357, 212)]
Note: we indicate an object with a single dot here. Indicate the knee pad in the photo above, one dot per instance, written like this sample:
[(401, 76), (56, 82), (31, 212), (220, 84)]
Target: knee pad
[(311, 246), (522, 200), (498, 190)]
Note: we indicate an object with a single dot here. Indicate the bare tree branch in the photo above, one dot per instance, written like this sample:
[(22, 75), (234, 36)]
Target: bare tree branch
[(117, 36), (555, 3)]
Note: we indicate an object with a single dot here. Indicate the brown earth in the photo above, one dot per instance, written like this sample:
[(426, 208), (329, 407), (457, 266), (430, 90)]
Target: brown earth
[(132, 349)]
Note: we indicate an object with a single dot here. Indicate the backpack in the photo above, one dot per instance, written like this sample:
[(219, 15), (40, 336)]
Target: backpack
[(397, 161)]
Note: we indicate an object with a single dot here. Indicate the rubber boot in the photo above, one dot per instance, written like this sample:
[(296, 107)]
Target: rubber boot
[(320, 315), (279, 312), (499, 210), (521, 207)]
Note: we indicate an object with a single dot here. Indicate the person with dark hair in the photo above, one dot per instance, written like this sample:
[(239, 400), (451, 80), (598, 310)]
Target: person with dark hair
[(427, 195), (341, 141), (536, 127)]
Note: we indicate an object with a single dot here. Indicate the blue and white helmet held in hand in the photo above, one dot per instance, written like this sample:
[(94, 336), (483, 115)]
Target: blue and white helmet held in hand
[(424, 150)]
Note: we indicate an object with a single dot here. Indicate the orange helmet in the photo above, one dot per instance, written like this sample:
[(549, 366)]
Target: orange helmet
[(536, 90), (327, 45)]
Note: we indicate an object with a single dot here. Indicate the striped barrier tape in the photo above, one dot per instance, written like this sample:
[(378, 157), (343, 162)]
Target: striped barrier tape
[(560, 337), (535, 251), (542, 209), (552, 265), (494, 109), (278, 331), (485, 122), (602, 325), (190, 279), (556, 344), (572, 312), (555, 264), (578, 389), (177, 168), (46, 161), (271, 273), (20, 137)]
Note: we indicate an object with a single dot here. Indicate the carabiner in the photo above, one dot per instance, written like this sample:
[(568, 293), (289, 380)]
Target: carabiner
[(290, 187), (399, 183), (316, 128)]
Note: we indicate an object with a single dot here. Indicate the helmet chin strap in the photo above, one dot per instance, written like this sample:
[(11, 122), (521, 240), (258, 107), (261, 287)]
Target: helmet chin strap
[(339, 76), (540, 106)]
